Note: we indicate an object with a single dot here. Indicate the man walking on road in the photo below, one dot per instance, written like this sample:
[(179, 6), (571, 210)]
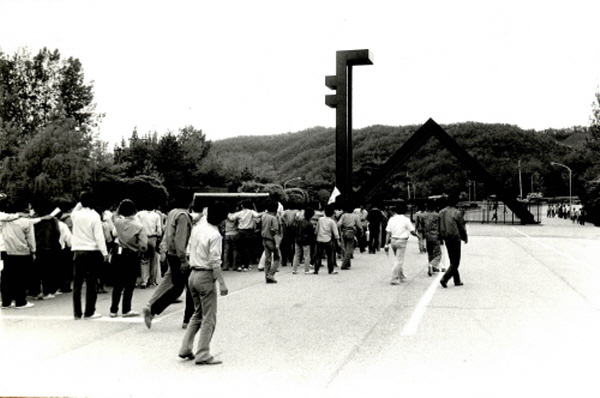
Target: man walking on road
[(452, 231), (89, 251), (176, 237), (399, 228), (205, 263)]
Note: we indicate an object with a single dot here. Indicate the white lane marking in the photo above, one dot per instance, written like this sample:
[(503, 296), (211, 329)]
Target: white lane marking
[(556, 251), (415, 319)]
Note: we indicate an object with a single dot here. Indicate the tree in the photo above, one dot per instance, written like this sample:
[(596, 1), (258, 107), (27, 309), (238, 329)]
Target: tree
[(175, 159), (47, 116), (55, 163), (34, 88)]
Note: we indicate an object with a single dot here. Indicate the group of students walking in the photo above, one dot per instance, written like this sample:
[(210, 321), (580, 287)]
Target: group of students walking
[(197, 249), (433, 229)]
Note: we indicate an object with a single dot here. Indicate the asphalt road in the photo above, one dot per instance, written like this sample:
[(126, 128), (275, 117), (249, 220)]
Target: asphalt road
[(525, 323)]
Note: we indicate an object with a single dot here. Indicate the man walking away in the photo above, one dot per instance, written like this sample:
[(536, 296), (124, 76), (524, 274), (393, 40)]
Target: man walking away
[(246, 219), (132, 243), (305, 237), (327, 235), (452, 231), (89, 251), (19, 243), (398, 229), (429, 224), (271, 235)]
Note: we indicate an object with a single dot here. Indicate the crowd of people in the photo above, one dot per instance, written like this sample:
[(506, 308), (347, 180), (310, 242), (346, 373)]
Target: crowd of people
[(46, 252), (575, 213)]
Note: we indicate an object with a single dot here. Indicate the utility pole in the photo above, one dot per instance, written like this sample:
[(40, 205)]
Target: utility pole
[(520, 182)]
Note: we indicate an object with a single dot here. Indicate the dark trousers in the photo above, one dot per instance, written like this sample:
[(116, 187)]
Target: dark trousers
[(287, 246), (126, 268), (230, 252), (245, 241), (87, 265), (14, 279), (188, 312), (45, 273), (362, 240), (374, 235), (65, 270), (170, 287), (453, 247), (327, 249)]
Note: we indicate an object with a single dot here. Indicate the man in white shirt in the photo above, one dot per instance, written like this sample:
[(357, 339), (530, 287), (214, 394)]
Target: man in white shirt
[(398, 229), (246, 219), (89, 251), (206, 245)]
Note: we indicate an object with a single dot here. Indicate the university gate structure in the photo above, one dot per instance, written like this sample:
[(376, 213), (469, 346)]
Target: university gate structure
[(342, 102)]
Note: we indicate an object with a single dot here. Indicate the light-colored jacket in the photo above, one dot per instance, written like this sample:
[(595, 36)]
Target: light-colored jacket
[(19, 237)]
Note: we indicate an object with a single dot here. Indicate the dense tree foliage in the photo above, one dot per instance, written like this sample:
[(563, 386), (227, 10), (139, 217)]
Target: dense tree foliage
[(174, 159), (46, 119)]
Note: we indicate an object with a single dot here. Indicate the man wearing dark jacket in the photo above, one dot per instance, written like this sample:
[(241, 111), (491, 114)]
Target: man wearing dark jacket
[(175, 240), (452, 231)]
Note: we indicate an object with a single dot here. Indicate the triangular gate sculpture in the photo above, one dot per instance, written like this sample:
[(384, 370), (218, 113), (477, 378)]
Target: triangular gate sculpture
[(416, 141)]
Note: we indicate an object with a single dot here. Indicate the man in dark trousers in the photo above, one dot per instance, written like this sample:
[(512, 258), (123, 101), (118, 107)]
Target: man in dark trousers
[(452, 231), (175, 239), (89, 252)]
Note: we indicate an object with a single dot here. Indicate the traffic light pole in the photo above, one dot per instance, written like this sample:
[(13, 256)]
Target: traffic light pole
[(342, 102)]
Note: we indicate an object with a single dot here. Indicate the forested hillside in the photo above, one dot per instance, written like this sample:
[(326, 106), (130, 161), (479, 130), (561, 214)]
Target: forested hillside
[(310, 154)]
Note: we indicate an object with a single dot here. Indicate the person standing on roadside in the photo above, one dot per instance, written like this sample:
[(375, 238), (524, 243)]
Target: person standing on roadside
[(246, 219), (327, 235), (271, 236), (452, 231), (152, 224), (350, 228), (89, 253), (374, 218), (132, 242), (399, 228), (288, 230), (175, 241), (230, 242), (19, 243), (420, 232), (305, 237), (46, 266), (206, 245)]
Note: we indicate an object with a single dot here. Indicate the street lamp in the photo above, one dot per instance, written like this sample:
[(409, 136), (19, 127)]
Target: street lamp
[(570, 184), (293, 179)]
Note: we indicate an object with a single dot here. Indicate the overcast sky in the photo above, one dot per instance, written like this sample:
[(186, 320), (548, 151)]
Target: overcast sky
[(241, 67)]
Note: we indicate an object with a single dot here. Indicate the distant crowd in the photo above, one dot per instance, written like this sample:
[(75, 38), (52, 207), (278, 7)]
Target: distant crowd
[(576, 213)]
